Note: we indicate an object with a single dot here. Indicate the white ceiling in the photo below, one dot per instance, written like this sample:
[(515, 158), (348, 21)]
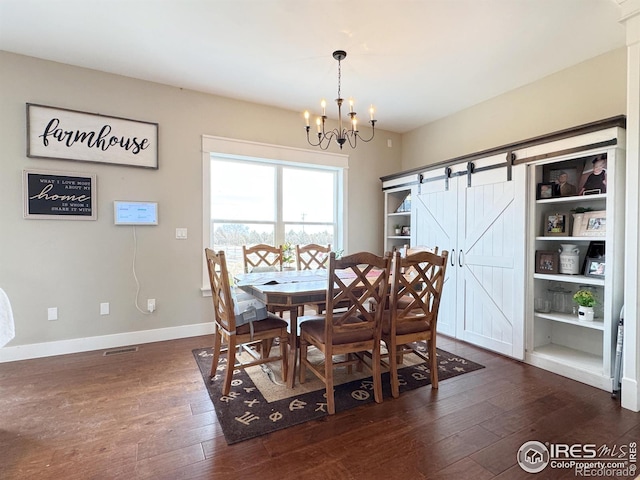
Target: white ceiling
[(415, 60)]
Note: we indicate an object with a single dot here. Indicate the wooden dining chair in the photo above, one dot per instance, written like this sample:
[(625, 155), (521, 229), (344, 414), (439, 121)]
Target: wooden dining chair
[(405, 300), (262, 257), (416, 290), (312, 256), (358, 278), (226, 332)]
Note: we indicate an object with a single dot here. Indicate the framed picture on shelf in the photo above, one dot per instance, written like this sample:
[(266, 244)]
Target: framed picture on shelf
[(547, 261), (545, 190), (593, 180), (406, 231), (595, 267), (405, 206), (565, 176), (594, 224), (556, 224)]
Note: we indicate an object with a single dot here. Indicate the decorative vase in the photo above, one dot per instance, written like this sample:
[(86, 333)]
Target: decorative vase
[(398, 231), (577, 222), (585, 313), (569, 256)]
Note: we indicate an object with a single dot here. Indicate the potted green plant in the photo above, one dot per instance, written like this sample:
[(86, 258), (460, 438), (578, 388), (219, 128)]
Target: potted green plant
[(397, 230), (586, 301), (288, 255)]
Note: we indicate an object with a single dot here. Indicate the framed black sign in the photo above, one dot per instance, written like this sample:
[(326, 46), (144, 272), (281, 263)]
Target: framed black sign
[(59, 195)]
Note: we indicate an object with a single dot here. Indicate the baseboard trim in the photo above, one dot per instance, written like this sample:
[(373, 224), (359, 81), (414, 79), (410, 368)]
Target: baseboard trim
[(76, 345)]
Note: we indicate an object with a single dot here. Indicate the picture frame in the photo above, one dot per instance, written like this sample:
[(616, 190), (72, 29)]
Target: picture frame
[(63, 134), (595, 267), (405, 205), (596, 249), (556, 224), (56, 195), (406, 231), (547, 261), (594, 224), (565, 176), (593, 180), (545, 190)]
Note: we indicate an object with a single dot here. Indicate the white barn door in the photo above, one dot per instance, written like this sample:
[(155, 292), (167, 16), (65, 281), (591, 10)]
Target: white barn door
[(436, 212), (483, 227)]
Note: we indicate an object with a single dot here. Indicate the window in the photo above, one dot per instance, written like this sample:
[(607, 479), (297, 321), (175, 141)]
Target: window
[(250, 200)]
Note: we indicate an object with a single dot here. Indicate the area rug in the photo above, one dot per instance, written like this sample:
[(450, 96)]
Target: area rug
[(259, 402)]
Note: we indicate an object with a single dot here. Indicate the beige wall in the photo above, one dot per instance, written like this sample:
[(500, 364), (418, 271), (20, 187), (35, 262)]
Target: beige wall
[(590, 91), (76, 265)]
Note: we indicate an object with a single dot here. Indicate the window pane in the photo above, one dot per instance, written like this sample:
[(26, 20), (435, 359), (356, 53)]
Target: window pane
[(242, 191), (303, 234), (231, 236), (307, 195)]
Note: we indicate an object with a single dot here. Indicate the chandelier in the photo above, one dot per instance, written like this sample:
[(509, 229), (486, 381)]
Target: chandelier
[(340, 134)]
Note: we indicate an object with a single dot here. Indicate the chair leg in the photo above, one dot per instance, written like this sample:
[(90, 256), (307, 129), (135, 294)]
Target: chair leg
[(284, 352), (231, 361), (217, 346), (377, 374), (433, 361), (328, 375), (393, 368), (302, 346), (266, 347)]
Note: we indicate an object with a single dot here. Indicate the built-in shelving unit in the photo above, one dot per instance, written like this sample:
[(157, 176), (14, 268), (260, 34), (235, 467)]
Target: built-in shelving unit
[(557, 339), (398, 208)]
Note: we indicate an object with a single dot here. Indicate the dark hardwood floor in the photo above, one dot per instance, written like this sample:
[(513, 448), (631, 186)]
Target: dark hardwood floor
[(147, 415)]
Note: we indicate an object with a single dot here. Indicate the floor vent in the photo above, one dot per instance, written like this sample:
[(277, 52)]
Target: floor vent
[(118, 351)]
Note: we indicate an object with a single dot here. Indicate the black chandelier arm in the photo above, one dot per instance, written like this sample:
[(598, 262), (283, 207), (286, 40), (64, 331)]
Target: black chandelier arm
[(321, 136), (341, 136)]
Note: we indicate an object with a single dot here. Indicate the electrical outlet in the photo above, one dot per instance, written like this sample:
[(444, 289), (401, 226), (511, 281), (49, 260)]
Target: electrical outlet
[(104, 308), (52, 313), (151, 305)]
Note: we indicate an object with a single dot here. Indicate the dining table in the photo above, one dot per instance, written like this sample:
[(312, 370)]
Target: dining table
[(290, 289)]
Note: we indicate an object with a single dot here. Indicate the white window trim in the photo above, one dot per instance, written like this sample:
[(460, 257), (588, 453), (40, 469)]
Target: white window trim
[(233, 148)]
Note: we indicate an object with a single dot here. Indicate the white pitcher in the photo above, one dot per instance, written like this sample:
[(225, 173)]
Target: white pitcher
[(569, 256)]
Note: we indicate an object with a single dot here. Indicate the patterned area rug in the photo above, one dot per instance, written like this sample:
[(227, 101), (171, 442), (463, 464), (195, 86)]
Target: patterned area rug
[(260, 403)]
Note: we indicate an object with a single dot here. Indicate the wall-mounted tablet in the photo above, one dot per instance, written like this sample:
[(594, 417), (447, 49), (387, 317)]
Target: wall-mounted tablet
[(135, 213)]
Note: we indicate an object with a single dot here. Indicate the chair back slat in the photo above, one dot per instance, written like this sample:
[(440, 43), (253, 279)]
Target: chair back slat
[(358, 279), (262, 257), (312, 256), (417, 279), (223, 307)]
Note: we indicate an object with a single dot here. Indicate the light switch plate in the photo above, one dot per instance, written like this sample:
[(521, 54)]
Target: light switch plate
[(181, 233), (52, 313), (104, 308)]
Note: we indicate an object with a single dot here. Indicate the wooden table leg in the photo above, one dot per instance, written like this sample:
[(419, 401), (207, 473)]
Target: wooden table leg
[(293, 346)]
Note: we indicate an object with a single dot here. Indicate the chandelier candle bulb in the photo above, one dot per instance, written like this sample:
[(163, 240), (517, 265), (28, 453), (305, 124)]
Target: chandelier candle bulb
[(323, 104), (306, 117), (319, 125), (371, 111), (351, 104)]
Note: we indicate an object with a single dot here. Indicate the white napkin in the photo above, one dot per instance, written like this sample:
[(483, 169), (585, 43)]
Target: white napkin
[(7, 328)]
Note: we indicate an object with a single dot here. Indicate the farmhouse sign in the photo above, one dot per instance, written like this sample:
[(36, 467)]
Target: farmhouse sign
[(88, 137), (59, 195)]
